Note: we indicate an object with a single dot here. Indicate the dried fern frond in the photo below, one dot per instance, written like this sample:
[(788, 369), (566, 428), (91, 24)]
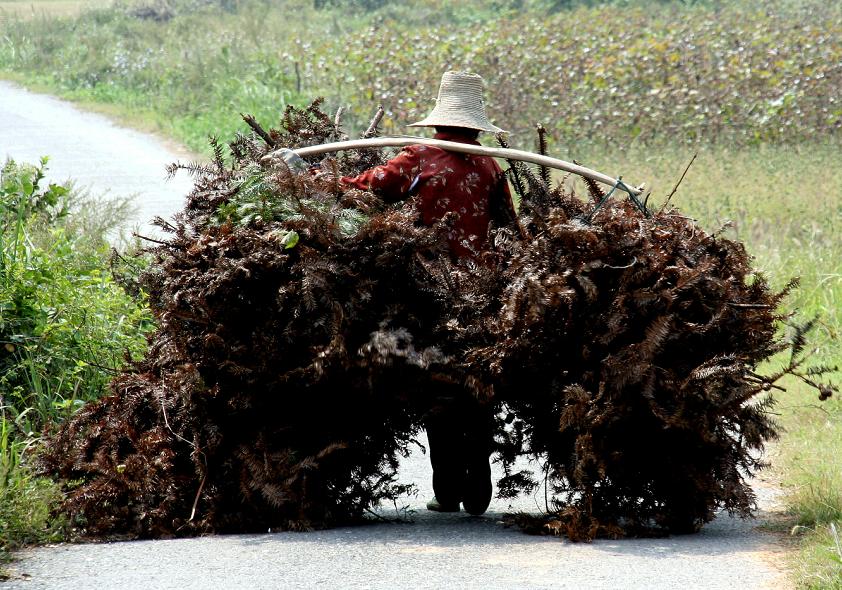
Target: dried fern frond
[(304, 330)]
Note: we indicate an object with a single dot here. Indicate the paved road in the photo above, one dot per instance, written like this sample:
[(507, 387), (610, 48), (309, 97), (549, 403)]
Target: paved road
[(93, 151), (432, 551)]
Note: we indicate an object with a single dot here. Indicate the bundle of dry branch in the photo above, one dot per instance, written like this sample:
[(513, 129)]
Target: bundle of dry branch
[(304, 330)]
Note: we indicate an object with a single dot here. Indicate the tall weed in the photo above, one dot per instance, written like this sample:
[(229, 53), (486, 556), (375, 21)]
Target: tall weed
[(64, 323), (26, 501), (65, 328)]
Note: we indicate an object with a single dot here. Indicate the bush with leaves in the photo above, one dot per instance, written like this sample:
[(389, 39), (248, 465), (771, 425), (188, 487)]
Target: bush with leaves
[(65, 324), (27, 502), (65, 327), (297, 354)]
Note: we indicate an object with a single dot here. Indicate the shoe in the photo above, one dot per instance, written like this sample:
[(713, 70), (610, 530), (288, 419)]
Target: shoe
[(435, 506), (477, 503), (478, 489)]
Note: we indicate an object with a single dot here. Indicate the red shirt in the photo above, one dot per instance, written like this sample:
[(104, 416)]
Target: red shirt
[(473, 187)]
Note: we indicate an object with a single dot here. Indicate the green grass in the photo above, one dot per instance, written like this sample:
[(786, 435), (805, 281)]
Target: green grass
[(811, 465), (820, 561), (38, 9), (26, 501), (65, 329)]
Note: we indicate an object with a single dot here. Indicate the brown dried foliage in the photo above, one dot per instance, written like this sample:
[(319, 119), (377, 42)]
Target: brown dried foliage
[(283, 384)]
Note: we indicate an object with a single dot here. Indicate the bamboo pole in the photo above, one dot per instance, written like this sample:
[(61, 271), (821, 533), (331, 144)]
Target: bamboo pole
[(453, 146)]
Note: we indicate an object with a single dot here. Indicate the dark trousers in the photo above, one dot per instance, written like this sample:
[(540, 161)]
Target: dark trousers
[(459, 432)]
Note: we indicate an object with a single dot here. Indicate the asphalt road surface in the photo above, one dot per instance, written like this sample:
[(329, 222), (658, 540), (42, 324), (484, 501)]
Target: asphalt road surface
[(97, 154), (429, 550), (423, 550)]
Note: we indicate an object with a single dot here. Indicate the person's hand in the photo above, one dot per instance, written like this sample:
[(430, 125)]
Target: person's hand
[(295, 162)]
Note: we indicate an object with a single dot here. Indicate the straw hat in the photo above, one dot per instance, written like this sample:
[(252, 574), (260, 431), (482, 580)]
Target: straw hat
[(459, 104)]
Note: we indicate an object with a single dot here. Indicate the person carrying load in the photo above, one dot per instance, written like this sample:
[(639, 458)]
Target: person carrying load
[(475, 189)]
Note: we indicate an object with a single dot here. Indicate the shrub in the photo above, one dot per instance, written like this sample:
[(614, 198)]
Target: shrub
[(64, 323), (65, 328)]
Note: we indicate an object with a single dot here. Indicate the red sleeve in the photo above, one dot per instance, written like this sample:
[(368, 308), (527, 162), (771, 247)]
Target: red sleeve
[(392, 179)]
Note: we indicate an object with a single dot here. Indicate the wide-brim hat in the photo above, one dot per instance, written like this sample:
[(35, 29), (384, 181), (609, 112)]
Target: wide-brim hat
[(459, 104)]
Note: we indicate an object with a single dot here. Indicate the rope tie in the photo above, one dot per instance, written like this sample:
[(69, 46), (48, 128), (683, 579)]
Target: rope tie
[(624, 187)]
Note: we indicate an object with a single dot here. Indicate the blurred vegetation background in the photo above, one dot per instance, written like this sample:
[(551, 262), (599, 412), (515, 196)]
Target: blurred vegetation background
[(631, 87), (626, 72)]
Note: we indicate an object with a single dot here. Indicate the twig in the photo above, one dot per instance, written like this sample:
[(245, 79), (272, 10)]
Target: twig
[(812, 406), (116, 258), (167, 424), (198, 495), (187, 317), (137, 235), (564, 178), (677, 184), (629, 265), (757, 379), (749, 305), (252, 122), (337, 122), (375, 121), (196, 448), (377, 516), (164, 224), (105, 368), (546, 486), (542, 149)]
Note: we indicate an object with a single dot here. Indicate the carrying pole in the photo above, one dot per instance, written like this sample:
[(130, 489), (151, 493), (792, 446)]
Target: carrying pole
[(454, 146)]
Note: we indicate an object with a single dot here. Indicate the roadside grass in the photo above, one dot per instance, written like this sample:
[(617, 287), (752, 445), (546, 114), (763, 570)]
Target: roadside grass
[(36, 9), (812, 455), (820, 563), (26, 501), (66, 327)]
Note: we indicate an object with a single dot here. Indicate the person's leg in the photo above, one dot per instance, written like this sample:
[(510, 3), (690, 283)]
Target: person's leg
[(446, 439), (479, 431)]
